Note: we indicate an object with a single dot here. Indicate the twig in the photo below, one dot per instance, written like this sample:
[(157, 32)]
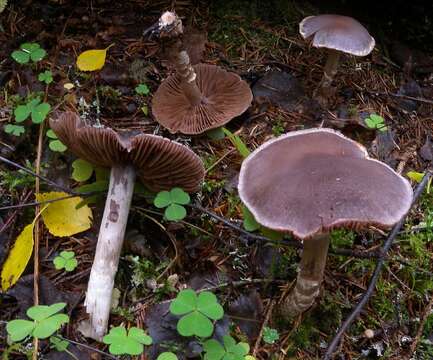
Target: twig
[(383, 255), (38, 176), (265, 322), (423, 100), (88, 347)]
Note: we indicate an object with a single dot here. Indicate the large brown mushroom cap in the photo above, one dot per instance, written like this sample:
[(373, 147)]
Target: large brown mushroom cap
[(160, 163), (337, 32), (225, 96), (312, 181)]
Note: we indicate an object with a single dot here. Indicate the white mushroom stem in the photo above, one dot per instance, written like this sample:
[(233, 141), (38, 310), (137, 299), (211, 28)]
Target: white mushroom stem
[(329, 73), (309, 278), (108, 248)]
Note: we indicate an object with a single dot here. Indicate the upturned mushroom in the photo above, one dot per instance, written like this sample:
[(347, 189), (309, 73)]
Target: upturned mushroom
[(158, 163), (196, 98), (309, 182), (339, 34)]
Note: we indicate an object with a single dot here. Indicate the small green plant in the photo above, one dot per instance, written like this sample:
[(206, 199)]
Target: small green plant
[(270, 336), (229, 350), (58, 343), (237, 142), (250, 223), (278, 128), (123, 342), (27, 52), (376, 122), (13, 129), (35, 109), (66, 260), (55, 144), (172, 201), (82, 170), (197, 312), (216, 134), (167, 356), (46, 321), (142, 89), (46, 77)]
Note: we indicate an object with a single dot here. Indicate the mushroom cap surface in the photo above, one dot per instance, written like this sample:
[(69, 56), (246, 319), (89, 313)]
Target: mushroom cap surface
[(225, 96), (160, 163), (312, 181), (337, 32)]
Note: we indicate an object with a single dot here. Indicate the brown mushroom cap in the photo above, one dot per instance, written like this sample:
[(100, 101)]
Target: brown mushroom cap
[(225, 96), (337, 32), (160, 163), (312, 181)]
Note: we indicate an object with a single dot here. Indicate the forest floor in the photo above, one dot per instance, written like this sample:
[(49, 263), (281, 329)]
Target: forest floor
[(249, 277)]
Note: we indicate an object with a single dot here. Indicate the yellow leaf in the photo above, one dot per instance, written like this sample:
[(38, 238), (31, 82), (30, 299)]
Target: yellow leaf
[(62, 218), (415, 176), (92, 60), (18, 258)]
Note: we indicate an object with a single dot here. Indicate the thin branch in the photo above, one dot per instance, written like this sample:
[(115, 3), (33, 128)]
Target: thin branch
[(43, 178), (383, 256), (88, 347)]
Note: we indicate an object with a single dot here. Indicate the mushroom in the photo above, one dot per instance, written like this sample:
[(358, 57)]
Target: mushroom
[(157, 162), (196, 98), (310, 182), (339, 34)]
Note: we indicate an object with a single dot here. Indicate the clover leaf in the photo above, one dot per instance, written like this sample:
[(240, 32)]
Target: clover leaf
[(377, 122), (172, 200), (15, 130), (66, 260), (58, 343), (45, 322), (123, 342), (55, 144), (142, 89), (27, 52), (270, 335), (166, 356), (46, 77), (197, 312), (229, 350), (83, 170), (35, 108)]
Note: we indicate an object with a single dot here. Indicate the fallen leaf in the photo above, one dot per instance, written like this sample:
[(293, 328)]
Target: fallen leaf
[(92, 60), (18, 258), (62, 218)]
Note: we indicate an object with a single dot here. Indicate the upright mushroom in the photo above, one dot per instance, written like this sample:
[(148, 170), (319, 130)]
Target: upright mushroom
[(310, 182), (196, 98), (339, 34), (157, 162)]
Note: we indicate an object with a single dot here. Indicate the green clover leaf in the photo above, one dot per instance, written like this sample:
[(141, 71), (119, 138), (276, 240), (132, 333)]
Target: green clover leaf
[(66, 260), (123, 342), (46, 77), (270, 335), (197, 312), (22, 112), (15, 130), (377, 122), (172, 200), (45, 322), (35, 108), (167, 356), (58, 343), (29, 51), (40, 112), (230, 350), (142, 89), (82, 170), (57, 145)]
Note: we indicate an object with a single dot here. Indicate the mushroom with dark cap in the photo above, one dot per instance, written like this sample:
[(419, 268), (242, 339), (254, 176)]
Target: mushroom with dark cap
[(310, 182), (196, 98), (159, 164), (337, 34)]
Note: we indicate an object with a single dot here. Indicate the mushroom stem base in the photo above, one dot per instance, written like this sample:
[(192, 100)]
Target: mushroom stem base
[(108, 248), (309, 278), (323, 91)]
